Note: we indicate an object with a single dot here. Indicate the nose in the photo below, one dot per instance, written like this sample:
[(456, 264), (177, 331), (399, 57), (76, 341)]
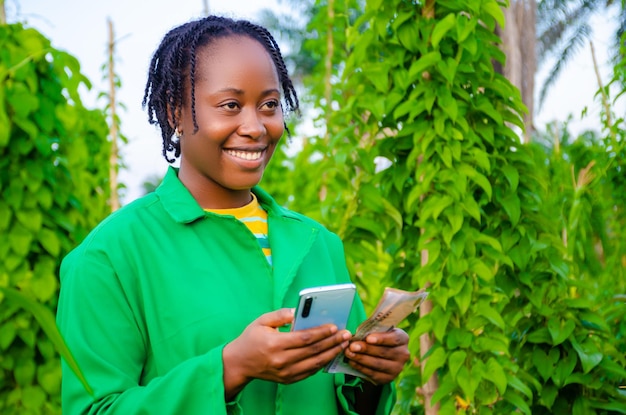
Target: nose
[(251, 124)]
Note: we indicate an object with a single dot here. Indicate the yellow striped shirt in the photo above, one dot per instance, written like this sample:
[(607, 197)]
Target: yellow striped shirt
[(255, 218)]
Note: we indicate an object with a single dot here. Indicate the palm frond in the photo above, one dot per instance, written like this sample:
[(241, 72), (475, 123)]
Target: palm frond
[(573, 45), (554, 26)]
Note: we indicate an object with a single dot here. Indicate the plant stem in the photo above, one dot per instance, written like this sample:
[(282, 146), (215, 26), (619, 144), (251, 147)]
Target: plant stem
[(115, 202), (3, 13), (605, 99)]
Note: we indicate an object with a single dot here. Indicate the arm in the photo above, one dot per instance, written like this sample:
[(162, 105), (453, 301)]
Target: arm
[(105, 332), (106, 337)]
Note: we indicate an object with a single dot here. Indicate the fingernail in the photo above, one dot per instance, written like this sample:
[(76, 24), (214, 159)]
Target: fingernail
[(345, 344), (372, 340), (356, 347), (347, 335)]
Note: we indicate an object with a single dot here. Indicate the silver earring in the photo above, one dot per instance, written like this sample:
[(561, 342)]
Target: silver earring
[(177, 133)]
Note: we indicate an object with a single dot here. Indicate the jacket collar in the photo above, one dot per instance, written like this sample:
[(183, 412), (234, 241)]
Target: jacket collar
[(183, 208), (291, 237)]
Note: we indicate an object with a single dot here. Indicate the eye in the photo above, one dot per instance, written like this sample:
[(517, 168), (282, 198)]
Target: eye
[(231, 105), (271, 105)]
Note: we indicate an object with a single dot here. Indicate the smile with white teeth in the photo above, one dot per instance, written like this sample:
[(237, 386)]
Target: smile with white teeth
[(245, 155)]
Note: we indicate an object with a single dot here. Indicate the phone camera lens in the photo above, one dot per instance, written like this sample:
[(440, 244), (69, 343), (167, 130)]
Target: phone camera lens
[(307, 306)]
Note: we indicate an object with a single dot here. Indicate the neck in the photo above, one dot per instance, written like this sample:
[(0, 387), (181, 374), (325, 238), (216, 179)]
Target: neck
[(210, 195)]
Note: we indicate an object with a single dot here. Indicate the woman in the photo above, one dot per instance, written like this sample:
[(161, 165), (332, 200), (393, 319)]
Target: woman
[(177, 303)]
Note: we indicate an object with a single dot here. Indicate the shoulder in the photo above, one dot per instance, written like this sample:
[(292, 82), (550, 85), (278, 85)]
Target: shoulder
[(136, 215), (115, 231)]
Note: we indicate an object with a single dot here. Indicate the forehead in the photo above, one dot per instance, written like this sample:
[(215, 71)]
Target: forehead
[(235, 58)]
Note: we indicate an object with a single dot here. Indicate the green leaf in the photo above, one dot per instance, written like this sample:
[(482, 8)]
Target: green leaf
[(588, 354), (50, 241), (22, 101), (24, 371), (495, 373), (440, 323), (31, 219), (512, 176), (436, 360), (468, 382), (487, 108), (408, 35), (494, 10), (464, 26), (485, 343), (7, 334), (559, 330), (455, 361), (564, 369), (44, 286), (33, 397), (393, 213), (580, 407), (368, 224), (512, 207), (490, 314), (517, 401), (423, 63), (549, 392), (458, 337), (378, 74), (593, 321), (542, 363), (517, 384), (612, 367), (464, 298), (45, 318), (20, 239), (441, 28), (448, 104), (5, 216), (609, 406), (471, 207), (447, 385), (483, 271)]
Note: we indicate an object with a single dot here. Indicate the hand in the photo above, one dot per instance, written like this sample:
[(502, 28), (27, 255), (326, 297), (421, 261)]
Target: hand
[(381, 357), (263, 352)]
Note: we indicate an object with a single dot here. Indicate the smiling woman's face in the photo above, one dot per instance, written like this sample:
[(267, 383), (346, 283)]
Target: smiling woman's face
[(240, 121)]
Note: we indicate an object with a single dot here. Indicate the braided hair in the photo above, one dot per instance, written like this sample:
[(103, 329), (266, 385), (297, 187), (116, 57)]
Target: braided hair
[(175, 60)]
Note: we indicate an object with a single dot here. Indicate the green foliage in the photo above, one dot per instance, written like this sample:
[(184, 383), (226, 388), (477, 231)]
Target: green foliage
[(53, 182), (422, 173)]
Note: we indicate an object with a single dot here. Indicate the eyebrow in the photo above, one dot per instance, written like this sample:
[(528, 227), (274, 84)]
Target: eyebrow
[(238, 91)]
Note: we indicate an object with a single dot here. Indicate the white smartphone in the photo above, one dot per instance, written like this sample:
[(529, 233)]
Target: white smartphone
[(330, 304)]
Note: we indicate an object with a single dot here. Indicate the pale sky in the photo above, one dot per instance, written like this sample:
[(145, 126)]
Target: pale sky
[(80, 28)]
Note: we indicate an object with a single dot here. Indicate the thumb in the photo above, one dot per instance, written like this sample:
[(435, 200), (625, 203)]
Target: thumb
[(277, 318)]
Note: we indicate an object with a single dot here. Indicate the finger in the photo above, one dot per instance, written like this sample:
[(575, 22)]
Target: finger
[(394, 337), (277, 318), (317, 339), (381, 352), (309, 360)]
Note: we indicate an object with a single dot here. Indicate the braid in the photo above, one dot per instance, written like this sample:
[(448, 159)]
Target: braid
[(175, 60)]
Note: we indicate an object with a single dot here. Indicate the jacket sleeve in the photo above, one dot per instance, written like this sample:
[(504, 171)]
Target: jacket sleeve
[(105, 337), (347, 386)]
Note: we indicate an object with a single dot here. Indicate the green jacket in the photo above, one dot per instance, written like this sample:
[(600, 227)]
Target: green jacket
[(149, 299)]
